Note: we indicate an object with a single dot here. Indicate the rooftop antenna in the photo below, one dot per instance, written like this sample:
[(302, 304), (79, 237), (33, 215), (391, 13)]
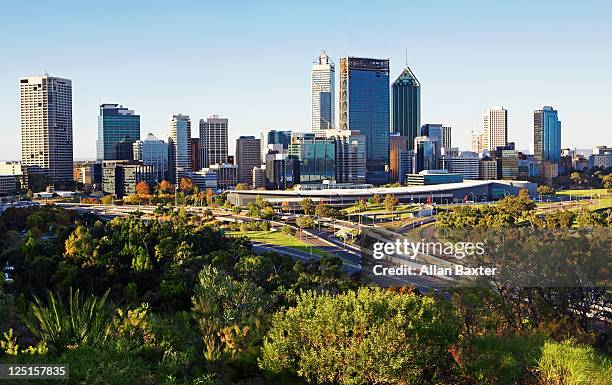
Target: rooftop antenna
[(406, 57)]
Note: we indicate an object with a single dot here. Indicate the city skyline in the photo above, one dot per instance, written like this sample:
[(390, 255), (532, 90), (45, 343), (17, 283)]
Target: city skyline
[(454, 92)]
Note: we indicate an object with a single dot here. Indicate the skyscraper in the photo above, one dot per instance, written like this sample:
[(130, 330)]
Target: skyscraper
[(116, 124), (213, 141), (178, 147), (397, 144), (248, 156), (425, 154), (495, 128), (46, 129), (194, 154), (322, 83), (406, 104), (364, 107), (547, 135), (153, 152)]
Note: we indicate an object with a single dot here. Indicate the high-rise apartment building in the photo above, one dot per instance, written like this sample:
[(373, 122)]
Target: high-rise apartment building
[(364, 107), (46, 128), (547, 135), (406, 104), (194, 154), (495, 128), (467, 164), (322, 83), (446, 137), (213, 141), (153, 151), (248, 156), (425, 154), (178, 147), (116, 126)]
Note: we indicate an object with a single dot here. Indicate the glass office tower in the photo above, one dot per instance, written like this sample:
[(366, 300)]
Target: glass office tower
[(364, 107), (406, 104), (547, 135), (316, 156), (115, 124)]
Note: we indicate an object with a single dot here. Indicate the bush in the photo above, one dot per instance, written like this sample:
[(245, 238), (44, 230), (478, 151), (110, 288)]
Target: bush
[(370, 336), (491, 359), (571, 364)]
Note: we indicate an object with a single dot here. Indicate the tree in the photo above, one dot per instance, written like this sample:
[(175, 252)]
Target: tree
[(376, 199), (607, 181), (304, 222), (142, 189), (390, 202), (186, 185), (166, 187), (308, 206), (371, 336), (107, 200), (209, 196), (545, 190), (80, 246), (242, 186)]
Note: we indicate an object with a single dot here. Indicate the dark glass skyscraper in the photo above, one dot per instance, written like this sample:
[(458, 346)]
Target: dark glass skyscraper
[(364, 107), (115, 124), (547, 135), (406, 104)]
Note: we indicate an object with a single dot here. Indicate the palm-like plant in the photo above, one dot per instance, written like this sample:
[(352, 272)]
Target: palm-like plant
[(83, 321)]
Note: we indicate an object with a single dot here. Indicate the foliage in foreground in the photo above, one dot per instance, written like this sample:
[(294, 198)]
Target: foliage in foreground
[(370, 336), (571, 364)]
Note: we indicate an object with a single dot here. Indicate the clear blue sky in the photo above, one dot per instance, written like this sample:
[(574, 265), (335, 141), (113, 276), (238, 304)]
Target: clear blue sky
[(250, 61)]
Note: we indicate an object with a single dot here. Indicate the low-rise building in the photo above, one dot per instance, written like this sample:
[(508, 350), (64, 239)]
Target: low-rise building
[(428, 177), (120, 177)]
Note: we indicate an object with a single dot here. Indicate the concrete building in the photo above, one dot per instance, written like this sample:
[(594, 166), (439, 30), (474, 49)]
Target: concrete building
[(118, 129), (350, 155), (16, 169), (601, 157), (495, 128), (8, 185), (259, 177), (467, 164), (406, 164), (178, 147), (154, 152), (213, 140), (120, 177), (227, 175), (488, 169), (248, 156), (322, 87), (364, 107), (426, 154), (281, 170), (406, 106), (271, 139), (205, 179), (194, 154), (46, 129)]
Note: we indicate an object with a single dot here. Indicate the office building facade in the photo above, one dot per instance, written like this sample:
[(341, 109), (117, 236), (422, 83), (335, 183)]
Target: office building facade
[(350, 155), (120, 177), (178, 147), (364, 107), (547, 135), (425, 154), (397, 144), (46, 128), (153, 151), (406, 105), (316, 157), (248, 156), (495, 128), (213, 141), (322, 86), (116, 127), (467, 164)]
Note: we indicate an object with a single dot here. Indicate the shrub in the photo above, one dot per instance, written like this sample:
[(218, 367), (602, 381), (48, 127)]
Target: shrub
[(571, 364), (80, 322), (370, 336), (491, 359)]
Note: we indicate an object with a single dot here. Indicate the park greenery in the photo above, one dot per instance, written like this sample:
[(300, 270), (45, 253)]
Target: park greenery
[(176, 298)]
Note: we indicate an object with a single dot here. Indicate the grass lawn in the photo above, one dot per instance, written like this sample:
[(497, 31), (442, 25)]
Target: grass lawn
[(280, 239), (584, 193)]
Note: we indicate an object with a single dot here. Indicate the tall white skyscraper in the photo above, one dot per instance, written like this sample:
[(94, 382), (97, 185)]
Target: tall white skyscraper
[(46, 128), (495, 128), (178, 147), (322, 77), (213, 141)]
